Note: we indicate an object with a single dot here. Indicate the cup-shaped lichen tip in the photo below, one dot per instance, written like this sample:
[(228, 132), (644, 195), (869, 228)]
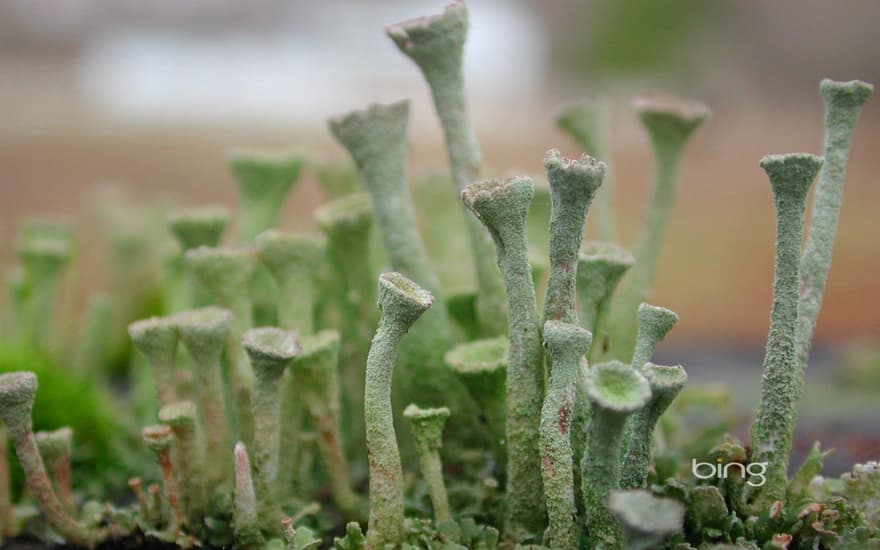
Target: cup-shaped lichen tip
[(158, 438), (606, 258), (585, 121), (646, 519), (55, 445), (204, 331), (17, 391), (182, 414), (260, 170), (791, 174), (559, 335), (222, 268), (427, 424), (662, 378), (49, 251), (278, 249), (585, 171), (615, 386), (365, 132), (155, 337), (270, 348), (195, 227), (657, 320), (315, 347), (852, 93), (401, 299), (669, 117), (496, 201), (353, 211), (479, 356), (429, 37)]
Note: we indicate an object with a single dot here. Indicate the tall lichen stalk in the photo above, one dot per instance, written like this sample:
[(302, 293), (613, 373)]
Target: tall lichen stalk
[(670, 122), (502, 206), (843, 103), (566, 344), (376, 140), (402, 303), (436, 45), (773, 428)]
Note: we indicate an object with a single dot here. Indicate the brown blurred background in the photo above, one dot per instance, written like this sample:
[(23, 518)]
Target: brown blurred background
[(151, 93)]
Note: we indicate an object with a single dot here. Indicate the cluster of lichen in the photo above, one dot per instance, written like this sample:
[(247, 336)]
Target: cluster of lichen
[(529, 429)]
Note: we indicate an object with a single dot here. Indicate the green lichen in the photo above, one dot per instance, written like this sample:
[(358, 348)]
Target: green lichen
[(666, 383), (773, 428), (646, 519), (573, 184), (245, 520), (615, 391), (402, 303), (182, 417), (436, 44), (600, 267), (654, 324), (502, 206), (270, 350), (670, 122), (156, 338), (427, 429), (565, 344)]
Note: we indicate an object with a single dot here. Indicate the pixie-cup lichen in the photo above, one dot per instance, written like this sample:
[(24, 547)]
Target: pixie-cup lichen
[(157, 338), (55, 448), (159, 439), (436, 44), (600, 267), (773, 428), (670, 122), (573, 184), (615, 391), (402, 303), (17, 392), (426, 426), (205, 332), (666, 383), (502, 206), (654, 324), (270, 350), (182, 418), (565, 344)]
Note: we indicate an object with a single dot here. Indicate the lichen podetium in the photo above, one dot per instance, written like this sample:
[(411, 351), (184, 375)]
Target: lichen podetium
[(843, 103), (502, 206), (565, 343), (436, 44), (402, 303), (772, 430), (615, 391), (376, 139), (670, 122), (573, 184)]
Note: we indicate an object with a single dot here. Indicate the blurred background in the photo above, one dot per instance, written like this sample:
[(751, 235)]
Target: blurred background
[(150, 94)]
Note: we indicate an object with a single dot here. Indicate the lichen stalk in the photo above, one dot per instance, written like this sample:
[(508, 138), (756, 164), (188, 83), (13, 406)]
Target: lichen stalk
[(402, 302), (293, 260), (376, 140), (843, 104), (426, 426), (601, 265), (316, 370), (55, 449), (565, 344), (502, 206), (183, 419), (192, 228), (204, 333), (156, 338), (666, 383), (615, 391), (44, 258), (226, 273), (655, 322), (17, 391), (588, 123), (573, 184), (159, 439), (772, 430), (436, 45), (482, 366), (264, 180), (670, 122), (270, 350), (136, 486), (245, 521)]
